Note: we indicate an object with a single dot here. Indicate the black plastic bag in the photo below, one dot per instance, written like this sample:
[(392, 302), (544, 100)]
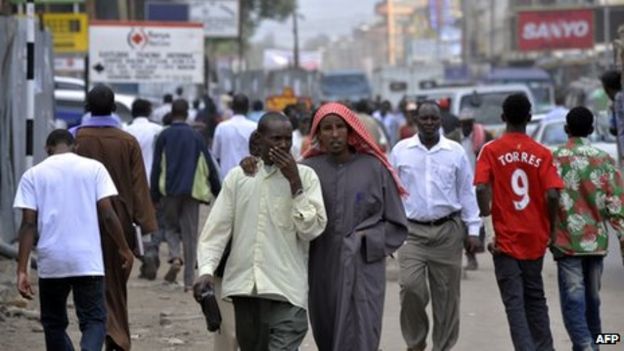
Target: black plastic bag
[(210, 309)]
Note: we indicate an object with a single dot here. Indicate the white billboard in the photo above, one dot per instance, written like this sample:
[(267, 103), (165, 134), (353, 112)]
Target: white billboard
[(146, 52), (220, 17)]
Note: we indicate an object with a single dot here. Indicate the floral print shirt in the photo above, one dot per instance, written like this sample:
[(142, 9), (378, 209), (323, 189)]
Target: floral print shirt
[(593, 194)]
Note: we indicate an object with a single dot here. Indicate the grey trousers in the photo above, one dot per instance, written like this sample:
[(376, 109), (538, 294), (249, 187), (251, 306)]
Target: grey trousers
[(181, 215), (152, 247), (431, 254), (268, 325)]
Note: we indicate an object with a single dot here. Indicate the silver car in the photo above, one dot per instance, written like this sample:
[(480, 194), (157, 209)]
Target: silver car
[(551, 133)]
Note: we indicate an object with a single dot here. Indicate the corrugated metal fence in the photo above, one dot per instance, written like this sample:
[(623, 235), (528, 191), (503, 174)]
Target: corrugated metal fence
[(13, 112)]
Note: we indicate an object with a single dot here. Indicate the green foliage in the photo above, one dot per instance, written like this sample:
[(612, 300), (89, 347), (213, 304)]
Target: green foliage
[(253, 12)]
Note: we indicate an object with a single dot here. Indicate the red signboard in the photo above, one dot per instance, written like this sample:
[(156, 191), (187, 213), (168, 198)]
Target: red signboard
[(559, 29)]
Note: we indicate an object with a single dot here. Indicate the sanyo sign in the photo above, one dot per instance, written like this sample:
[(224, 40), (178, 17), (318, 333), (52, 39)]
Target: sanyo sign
[(561, 29)]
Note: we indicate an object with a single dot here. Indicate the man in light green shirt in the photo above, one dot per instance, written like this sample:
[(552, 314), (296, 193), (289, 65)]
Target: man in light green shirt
[(271, 218)]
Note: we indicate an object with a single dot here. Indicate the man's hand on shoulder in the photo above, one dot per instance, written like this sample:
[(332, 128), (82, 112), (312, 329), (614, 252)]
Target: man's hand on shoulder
[(249, 165)]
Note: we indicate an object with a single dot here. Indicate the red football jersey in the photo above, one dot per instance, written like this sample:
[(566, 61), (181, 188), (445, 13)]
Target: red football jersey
[(519, 170)]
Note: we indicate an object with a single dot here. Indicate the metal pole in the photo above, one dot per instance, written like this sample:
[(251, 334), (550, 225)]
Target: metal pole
[(391, 34), (296, 35), (492, 30), (240, 38), (607, 32), (30, 81), (465, 36)]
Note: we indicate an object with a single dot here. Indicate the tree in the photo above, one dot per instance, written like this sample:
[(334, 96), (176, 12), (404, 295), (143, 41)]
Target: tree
[(253, 12)]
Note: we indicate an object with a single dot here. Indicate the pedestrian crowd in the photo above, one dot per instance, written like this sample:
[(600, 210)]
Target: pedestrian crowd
[(305, 206)]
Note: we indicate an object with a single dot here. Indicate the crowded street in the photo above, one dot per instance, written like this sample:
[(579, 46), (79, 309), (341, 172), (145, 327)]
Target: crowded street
[(163, 318)]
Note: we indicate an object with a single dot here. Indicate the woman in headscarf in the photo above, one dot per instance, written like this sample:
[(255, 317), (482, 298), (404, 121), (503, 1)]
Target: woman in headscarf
[(366, 223)]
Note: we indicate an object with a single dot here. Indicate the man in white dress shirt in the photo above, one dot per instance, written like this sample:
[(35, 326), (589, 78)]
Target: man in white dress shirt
[(146, 132), (231, 139), (163, 109), (440, 205)]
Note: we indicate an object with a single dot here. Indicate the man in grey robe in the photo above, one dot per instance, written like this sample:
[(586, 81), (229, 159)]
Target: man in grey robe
[(366, 222)]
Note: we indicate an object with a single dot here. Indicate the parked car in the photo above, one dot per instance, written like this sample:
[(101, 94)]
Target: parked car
[(485, 101), (70, 106), (551, 134), (68, 83)]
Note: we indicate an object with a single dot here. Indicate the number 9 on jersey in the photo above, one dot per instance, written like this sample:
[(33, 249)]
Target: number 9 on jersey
[(520, 186)]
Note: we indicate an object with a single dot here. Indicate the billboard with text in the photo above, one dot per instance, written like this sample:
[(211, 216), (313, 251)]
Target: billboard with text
[(555, 29), (146, 52)]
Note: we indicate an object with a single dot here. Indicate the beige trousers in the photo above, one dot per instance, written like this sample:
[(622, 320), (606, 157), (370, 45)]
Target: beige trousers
[(430, 268)]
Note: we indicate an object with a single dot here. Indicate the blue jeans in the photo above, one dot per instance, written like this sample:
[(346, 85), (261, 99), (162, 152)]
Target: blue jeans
[(579, 288), (522, 290), (90, 306)]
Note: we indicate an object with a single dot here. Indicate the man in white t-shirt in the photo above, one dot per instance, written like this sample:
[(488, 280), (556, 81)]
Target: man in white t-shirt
[(61, 199)]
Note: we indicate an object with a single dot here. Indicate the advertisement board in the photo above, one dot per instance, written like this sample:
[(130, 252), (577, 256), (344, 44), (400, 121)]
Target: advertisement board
[(560, 29), (146, 52), (69, 31)]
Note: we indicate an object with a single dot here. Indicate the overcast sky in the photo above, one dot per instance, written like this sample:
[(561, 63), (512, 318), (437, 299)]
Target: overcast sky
[(332, 17)]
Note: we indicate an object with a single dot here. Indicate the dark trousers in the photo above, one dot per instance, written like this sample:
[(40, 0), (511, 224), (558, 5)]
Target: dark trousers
[(90, 308), (181, 220), (268, 325), (579, 290), (522, 290)]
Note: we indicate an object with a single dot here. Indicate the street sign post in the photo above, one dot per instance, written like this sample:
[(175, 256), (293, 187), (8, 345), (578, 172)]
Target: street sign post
[(146, 52)]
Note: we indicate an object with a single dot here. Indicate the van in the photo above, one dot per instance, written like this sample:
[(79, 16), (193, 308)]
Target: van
[(345, 85), (485, 101), (539, 82)]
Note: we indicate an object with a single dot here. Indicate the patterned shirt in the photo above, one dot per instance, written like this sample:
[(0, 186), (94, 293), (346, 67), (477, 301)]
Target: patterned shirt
[(593, 194)]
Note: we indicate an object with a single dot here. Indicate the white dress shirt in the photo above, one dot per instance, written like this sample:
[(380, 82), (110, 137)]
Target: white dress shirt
[(439, 181), (231, 142), (160, 112), (145, 133), (270, 231), (469, 150)]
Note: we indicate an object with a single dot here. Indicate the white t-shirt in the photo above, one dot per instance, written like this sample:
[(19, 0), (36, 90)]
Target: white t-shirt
[(64, 190)]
